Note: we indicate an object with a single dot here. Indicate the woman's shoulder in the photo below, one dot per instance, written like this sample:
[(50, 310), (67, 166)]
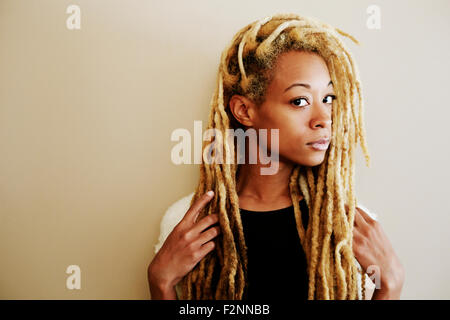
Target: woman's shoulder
[(171, 217)]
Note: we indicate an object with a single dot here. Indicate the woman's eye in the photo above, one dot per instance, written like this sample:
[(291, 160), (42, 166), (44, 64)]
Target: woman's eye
[(298, 102), (327, 100)]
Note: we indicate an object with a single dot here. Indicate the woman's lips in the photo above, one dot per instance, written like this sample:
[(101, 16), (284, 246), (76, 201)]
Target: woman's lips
[(321, 144)]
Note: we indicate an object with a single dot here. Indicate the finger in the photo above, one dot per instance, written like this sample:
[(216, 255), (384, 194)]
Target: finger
[(356, 232), (359, 220), (360, 240), (356, 239), (206, 248), (208, 235), (192, 214), (205, 222), (365, 216)]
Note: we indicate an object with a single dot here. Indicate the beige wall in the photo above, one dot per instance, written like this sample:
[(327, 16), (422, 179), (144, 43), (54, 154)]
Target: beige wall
[(86, 117)]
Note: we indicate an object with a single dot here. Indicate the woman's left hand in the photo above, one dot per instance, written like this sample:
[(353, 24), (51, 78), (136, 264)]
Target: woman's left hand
[(373, 250)]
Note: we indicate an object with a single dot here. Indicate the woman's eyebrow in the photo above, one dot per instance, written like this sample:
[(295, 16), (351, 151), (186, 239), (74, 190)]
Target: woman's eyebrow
[(307, 86)]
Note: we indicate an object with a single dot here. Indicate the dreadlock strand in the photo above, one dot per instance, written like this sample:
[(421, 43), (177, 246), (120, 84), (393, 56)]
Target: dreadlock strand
[(314, 231), (232, 201), (311, 180), (226, 281), (294, 192), (325, 261)]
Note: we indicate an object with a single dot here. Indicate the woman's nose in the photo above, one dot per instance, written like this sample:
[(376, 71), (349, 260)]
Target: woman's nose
[(321, 117)]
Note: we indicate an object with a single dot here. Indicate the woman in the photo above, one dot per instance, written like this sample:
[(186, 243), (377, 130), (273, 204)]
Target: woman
[(293, 74)]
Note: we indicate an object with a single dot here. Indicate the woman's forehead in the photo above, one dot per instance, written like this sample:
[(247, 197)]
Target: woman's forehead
[(301, 67)]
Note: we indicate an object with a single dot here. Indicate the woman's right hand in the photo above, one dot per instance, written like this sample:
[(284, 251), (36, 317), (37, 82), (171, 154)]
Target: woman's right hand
[(184, 247)]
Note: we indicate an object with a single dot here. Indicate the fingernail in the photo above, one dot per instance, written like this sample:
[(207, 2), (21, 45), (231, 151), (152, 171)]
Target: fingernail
[(210, 193)]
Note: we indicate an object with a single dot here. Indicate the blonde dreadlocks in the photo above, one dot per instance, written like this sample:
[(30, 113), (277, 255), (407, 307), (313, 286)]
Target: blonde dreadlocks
[(246, 68)]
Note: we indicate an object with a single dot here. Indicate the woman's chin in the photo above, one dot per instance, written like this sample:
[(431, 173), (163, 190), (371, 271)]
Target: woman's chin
[(311, 161)]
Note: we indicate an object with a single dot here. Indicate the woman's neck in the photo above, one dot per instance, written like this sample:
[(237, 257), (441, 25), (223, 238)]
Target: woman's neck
[(258, 192)]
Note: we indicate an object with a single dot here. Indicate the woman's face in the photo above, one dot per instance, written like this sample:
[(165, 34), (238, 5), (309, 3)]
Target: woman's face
[(298, 103)]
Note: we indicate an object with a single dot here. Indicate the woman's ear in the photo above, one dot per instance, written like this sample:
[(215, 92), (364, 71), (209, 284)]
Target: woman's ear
[(243, 109)]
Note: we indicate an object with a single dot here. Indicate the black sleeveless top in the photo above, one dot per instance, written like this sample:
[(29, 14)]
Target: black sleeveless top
[(277, 266)]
